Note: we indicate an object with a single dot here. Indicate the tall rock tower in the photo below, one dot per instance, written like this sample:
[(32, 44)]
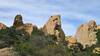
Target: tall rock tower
[(53, 27), (18, 22)]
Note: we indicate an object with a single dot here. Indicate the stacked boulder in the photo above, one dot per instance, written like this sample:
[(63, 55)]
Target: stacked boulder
[(86, 34), (53, 27), (19, 25)]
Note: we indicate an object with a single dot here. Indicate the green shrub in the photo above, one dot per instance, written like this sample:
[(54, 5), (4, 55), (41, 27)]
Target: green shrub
[(37, 45)]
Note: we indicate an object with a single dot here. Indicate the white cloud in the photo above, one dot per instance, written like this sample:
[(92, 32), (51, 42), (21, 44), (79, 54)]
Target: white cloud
[(39, 11)]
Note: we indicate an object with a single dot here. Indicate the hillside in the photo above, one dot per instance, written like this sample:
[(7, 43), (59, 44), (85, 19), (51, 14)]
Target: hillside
[(25, 39)]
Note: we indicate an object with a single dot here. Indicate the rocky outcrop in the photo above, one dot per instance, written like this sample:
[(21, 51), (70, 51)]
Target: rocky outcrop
[(2, 26), (72, 43), (98, 27), (86, 34), (53, 27), (72, 40), (7, 52), (28, 28), (19, 25), (18, 22), (96, 50)]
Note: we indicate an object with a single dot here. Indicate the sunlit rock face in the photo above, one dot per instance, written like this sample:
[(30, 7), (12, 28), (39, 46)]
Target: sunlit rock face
[(96, 50), (71, 41), (2, 26), (86, 34), (7, 52), (53, 27), (28, 28)]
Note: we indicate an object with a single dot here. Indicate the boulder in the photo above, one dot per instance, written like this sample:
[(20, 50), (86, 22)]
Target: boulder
[(96, 50), (7, 52), (53, 27), (73, 44), (28, 28), (2, 26), (86, 34), (72, 40)]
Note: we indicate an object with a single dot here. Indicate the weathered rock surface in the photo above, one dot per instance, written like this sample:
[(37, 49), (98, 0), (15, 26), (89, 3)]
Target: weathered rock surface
[(86, 34), (7, 52), (53, 27), (2, 26), (28, 28), (72, 40)]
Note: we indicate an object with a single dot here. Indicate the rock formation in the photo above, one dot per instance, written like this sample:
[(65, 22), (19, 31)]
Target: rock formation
[(72, 43), (86, 34), (98, 27), (2, 26), (28, 28), (18, 22), (96, 50), (7, 52), (53, 27), (19, 25), (72, 40)]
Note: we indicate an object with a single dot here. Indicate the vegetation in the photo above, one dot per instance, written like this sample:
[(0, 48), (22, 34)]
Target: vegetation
[(37, 45)]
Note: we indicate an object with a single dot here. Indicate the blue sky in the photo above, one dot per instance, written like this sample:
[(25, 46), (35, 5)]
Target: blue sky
[(73, 12)]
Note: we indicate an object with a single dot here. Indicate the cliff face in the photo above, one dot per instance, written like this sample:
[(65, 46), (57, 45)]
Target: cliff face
[(53, 27), (86, 34)]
